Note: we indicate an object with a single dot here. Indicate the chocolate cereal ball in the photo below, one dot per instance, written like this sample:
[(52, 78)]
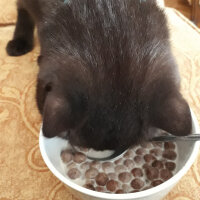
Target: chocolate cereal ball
[(156, 152), (91, 173), (140, 151), (120, 168), (112, 185), (149, 158), (129, 154), (152, 173), (169, 145), (165, 174), (137, 184), (89, 186), (108, 167), (79, 157), (157, 144), (170, 165), (169, 154), (101, 179), (158, 164), (129, 163), (125, 177), (66, 156), (74, 173), (156, 183), (118, 161), (95, 164), (138, 159), (119, 192), (137, 172), (100, 189)]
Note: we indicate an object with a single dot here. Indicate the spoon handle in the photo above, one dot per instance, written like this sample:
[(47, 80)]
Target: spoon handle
[(192, 137)]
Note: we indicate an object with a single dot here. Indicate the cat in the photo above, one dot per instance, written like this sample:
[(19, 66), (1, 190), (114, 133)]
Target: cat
[(107, 75)]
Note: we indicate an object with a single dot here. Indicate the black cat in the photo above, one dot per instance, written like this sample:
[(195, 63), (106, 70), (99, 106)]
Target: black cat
[(107, 75)]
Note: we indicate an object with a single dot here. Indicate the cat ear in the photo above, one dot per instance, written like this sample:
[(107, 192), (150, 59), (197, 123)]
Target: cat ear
[(55, 115), (171, 114)]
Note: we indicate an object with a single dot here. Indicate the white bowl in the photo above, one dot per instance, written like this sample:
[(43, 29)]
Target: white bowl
[(187, 152)]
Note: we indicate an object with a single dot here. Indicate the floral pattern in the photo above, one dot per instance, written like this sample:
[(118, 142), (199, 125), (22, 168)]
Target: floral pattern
[(24, 175)]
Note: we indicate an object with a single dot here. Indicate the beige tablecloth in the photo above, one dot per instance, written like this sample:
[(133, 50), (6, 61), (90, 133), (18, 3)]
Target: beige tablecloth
[(23, 174)]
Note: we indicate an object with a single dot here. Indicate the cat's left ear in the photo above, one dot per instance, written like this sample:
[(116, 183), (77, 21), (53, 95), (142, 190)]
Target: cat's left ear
[(172, 114)]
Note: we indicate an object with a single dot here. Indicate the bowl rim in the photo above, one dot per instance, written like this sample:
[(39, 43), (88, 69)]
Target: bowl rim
[(127, 196)]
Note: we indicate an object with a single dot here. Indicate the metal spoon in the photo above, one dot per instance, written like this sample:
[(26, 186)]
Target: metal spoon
[(164, 138)]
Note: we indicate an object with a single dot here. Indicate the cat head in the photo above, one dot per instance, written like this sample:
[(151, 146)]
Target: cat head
[(98, 111), (107, 75)]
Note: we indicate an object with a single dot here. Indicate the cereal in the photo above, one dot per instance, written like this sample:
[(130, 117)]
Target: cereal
[(112, 185), (89, 186), (119, 192), (139, 168), (149, 158), (95, 164), (137, 183), (74, 173), (129, 154), (152, 173), (137, 172), (91, 173), (158, 164), (119, 161), (101, 179), (79, 157), (157, 144), (120, 168), (169, 154), (145, 166), (170, 166), (156, 182), (124, 177), (169, 145), (138, 159), (140, 151), (156, 152), (66, 156), (165, 174), (99, 189), (129, 163), (108, 167)]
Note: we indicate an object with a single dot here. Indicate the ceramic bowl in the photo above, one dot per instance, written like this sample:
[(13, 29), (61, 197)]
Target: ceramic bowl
[(187, 153)]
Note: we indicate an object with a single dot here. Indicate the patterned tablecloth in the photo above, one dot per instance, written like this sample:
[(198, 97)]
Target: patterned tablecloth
[(23, 174)]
